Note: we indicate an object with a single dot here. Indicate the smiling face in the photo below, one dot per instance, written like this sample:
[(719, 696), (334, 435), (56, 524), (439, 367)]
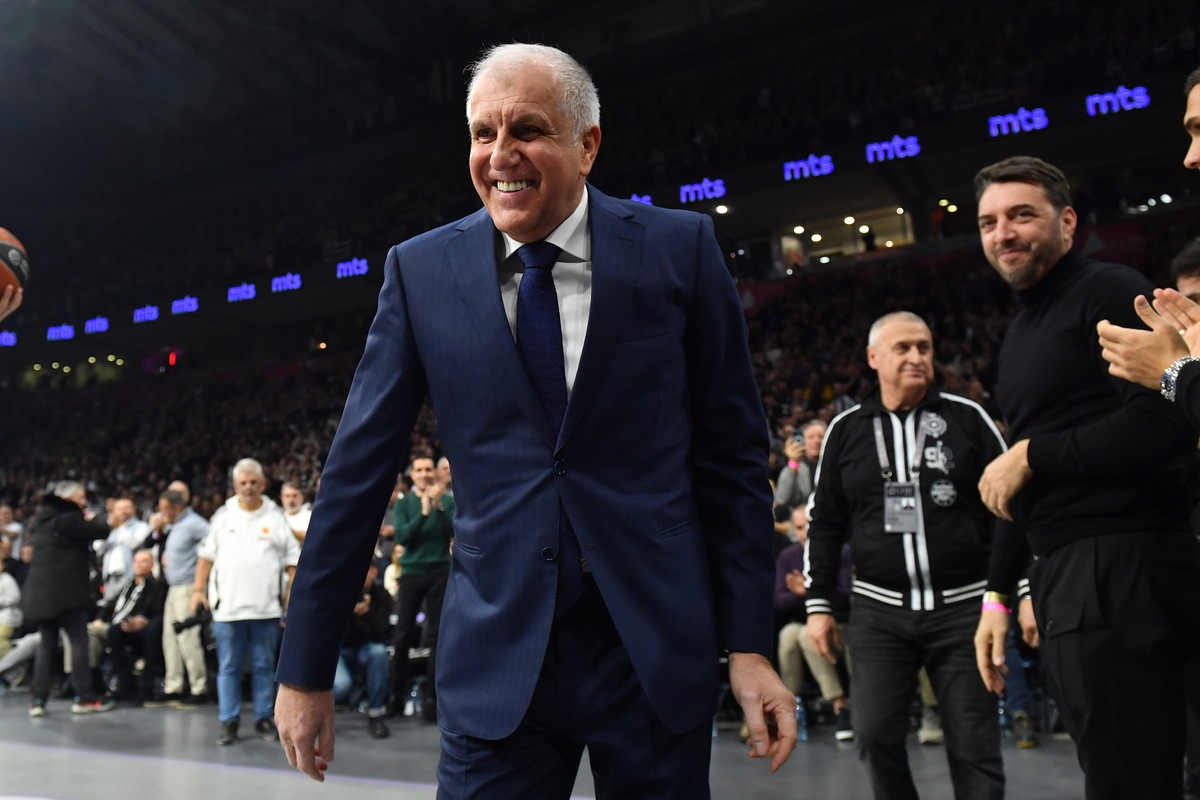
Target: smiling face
[(1022, 233), (527, 164)]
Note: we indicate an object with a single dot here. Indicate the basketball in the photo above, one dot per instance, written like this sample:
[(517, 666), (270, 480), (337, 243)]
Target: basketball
[(14, 263)]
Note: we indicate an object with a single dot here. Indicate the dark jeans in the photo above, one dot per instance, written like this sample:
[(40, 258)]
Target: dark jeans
[(890, 646), (413, 590), (1119, 617), (74, 623)]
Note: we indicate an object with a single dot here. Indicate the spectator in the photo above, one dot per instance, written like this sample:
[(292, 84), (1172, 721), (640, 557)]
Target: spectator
[(295, 508), (249, 547), (57, 593), (364, 654), (424, 527), (183, 651), (10, 609), (130, 624), (796, 479), (795, 649)]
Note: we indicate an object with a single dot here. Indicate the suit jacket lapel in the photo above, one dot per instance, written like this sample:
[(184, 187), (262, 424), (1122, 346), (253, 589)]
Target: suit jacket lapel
[(472, 257), (616, 260)]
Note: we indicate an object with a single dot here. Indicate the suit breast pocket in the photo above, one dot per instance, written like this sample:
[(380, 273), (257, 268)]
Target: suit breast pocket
[(648, 327)]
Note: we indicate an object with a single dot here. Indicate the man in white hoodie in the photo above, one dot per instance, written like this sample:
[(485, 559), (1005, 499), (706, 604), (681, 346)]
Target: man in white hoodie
[(239, 572)]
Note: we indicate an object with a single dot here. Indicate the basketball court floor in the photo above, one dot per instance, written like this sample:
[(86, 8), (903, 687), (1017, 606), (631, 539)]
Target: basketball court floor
[(169, 754)]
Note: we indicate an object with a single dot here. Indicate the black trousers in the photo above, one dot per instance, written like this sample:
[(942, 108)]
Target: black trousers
[(415, 589), (890, 645), (127, 647), (74, 623), (1119, 617)]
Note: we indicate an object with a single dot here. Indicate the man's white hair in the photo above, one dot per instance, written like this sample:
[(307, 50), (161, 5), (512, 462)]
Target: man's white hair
[(577, 96), (895, 316), (249, 465)]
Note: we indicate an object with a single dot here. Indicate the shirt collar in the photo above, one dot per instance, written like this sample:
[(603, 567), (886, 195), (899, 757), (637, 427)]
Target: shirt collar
[(571, 235)]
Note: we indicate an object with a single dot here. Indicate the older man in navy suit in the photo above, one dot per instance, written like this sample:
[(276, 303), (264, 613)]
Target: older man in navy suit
[(587, 361)]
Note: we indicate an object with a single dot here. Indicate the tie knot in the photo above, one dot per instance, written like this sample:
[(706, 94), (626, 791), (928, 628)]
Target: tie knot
[(538, 255)]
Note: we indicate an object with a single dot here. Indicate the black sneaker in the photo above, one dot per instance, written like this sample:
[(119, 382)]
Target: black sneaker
[(378, 728), (191, 701), (162, 700), (265, 729), (844, 733), (229, 733)]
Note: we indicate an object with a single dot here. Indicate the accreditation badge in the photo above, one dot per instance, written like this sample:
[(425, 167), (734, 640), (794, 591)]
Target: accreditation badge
[(900, 507)]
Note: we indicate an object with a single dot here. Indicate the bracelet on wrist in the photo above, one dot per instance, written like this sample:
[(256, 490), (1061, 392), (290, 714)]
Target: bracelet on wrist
[(996, 607), (997, 597), (793, 464)]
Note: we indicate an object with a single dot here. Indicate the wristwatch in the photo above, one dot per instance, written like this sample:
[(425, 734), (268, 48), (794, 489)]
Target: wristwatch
[(1167, 383)]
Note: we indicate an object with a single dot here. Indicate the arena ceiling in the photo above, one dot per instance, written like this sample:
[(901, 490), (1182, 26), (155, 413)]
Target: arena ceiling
[(93, 82)]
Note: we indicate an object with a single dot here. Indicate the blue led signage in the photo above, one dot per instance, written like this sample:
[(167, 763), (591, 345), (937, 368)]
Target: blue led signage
[(239, 293), (96, 325), (812, 167), (352, 268), (285, 283), (60, 333), (8, 339), (1022, 120), (1120, 100), (704, 190), (145, 314), (897, 147), (185, 305)]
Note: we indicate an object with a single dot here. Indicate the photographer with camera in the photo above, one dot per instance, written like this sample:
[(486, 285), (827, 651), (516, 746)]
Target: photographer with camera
[(797, 478), (183, 650)]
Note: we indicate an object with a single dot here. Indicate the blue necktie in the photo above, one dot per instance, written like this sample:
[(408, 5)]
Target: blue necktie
[(539, 340)]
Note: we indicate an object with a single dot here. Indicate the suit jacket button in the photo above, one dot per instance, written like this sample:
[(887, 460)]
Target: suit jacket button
[(560, 467), (549, 554)]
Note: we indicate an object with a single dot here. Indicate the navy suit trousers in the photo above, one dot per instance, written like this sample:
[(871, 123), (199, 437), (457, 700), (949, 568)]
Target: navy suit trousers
[(587, 695)]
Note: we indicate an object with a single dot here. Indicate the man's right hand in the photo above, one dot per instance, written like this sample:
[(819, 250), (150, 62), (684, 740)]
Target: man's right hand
[(990, 637), (824, 636), (304, 718), (793, 449)]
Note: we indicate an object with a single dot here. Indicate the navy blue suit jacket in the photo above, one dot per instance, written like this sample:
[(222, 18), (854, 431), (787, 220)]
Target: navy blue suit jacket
[(661, 465)]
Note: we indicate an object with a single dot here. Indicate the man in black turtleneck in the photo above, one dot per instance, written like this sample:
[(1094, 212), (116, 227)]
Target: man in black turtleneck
[(1093, 485)]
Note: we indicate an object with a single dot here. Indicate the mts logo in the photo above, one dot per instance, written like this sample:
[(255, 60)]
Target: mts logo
[(60, 333), (1120, 100), (350, 269), (1023, 120), (642, 198), (243, 292), (704, 190), (145, 314), (185, 305), (897, 147), (8, 339), (285, 283), (812, 167), (96, 325)]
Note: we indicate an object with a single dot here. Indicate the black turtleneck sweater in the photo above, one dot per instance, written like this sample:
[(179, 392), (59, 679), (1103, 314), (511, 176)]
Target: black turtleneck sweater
[(1106, 454)]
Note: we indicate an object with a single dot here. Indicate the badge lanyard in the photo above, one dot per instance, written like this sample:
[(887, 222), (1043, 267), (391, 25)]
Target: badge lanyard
[(901, 503)]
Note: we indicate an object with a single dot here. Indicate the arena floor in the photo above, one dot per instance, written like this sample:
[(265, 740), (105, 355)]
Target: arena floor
[(133, 753)]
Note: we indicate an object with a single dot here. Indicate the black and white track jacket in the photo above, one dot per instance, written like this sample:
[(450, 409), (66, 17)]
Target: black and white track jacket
[(945, 561)]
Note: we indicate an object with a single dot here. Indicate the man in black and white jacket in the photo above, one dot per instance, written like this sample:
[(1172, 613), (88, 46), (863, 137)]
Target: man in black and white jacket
[(897, 481)]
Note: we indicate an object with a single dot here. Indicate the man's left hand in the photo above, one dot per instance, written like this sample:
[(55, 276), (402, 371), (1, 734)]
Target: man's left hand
[(1142, 356), (768, 706), (1004, 477)]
